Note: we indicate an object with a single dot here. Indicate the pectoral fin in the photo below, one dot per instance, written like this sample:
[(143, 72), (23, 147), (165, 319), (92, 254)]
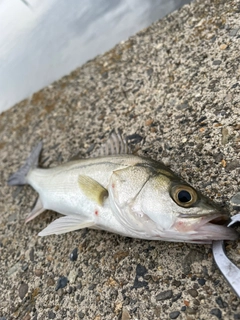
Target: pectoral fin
[(37, 209), (92, 189), (66, 224)]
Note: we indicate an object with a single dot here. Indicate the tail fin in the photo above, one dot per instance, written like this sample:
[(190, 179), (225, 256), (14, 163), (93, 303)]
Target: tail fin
[(19, 177)]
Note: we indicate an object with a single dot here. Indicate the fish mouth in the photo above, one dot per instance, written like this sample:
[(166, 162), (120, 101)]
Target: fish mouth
[(209, 228), (216, 228)]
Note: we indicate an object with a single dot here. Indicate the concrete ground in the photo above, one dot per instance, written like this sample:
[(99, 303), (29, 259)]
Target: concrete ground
[(177, 85)]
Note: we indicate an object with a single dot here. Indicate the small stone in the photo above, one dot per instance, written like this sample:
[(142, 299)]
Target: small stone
[(216, 312), (23, 289), (164, 295), (236, 316), (92, 286), (235, 200), (72, 275), (232, 165), (223, 46), (176, 297), (139, 284), (217, 62), (24, 267), (140, 270), (125, 314), (14, 269), (51, 315), (62, 282), (183, 106), (193, 293), (176, 283), (191, 311), (234, 32), (235, 85), (183, 308), (225, 136), (38, 272), (174, 314), (221, 303), (134, 138), (81, 315), (27, 317), (50, 282), (148, 122), (74, 254), (31, 254)]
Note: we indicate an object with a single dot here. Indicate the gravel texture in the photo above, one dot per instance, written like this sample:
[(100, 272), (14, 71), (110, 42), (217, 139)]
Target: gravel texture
[(177, 85)]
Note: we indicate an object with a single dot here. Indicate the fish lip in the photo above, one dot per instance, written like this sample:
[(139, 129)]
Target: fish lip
[(209, 216), (215, 226), (207, 227)]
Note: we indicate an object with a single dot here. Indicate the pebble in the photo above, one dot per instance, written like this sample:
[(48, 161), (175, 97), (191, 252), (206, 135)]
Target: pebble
[(74, 254), (38, 272), (237, 316), (50, 282), (134, 138), (14, 269), (31, 254), (223, 46), (140, 270), (51, 315), (24, 267), (174, 314), (72, 275), (164, 295), (176, 297), (62, 282), (235, 200), (23, 289), (217, 62), (201, 281), (92, 286), (225, 136), (234, 32), (233, 165), (125, 314), (193, 293), (216, 312), (176, 283), (81, 315), (221, 303)]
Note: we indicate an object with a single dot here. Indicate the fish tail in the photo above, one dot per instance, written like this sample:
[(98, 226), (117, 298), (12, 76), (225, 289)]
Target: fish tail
[(20, 177)]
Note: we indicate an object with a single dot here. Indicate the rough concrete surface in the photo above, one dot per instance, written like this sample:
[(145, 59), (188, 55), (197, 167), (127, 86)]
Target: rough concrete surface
[(177, 84)]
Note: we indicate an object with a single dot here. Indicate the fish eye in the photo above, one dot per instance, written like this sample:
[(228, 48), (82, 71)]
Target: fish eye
[(184, 196)]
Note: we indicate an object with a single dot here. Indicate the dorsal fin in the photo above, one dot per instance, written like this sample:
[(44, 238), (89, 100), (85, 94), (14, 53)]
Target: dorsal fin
[(115, 144)]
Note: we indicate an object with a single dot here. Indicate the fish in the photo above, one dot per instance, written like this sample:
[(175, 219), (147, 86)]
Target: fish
[(123, 193)]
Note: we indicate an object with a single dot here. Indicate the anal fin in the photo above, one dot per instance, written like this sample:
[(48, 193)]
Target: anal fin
[(66, 224), (37, 209)]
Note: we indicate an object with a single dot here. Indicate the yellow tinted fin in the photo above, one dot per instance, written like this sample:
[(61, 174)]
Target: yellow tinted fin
[(92, 189)]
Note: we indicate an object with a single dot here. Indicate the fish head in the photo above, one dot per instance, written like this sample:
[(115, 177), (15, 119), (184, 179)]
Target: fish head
[(184, 213), (156, 204)]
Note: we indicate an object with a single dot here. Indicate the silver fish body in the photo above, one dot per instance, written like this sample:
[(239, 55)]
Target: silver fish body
[(125, 194)]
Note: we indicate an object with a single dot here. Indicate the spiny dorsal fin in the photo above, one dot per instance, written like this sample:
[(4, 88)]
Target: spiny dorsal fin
[(115, 144), (92, 189)]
